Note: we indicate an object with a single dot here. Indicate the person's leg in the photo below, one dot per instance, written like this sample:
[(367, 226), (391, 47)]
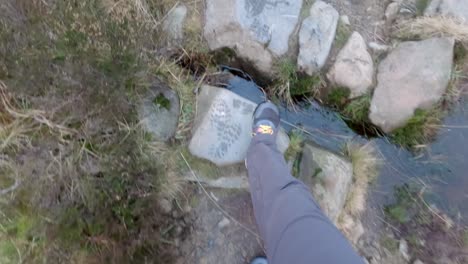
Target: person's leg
[(291, 223)]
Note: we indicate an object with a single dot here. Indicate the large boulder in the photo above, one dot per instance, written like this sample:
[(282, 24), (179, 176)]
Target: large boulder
[(158, 111), (222, 131), (413, 76), (316, 37), (455, 8), (353, 68), (329, 176), (257, 30)]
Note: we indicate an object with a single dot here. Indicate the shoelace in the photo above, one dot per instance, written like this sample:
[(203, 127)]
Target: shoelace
[(264, 129)]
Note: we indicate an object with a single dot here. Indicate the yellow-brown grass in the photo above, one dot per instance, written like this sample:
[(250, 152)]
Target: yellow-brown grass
[(433, 26), (365, 170), (16, 123)]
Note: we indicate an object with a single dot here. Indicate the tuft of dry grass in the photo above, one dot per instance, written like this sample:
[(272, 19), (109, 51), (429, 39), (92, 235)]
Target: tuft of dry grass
[(454, 91), (433, 26), (296, 138), (9, 176), (157, 151), (17, 121), (12, 130), (365, 170), (286, 70)]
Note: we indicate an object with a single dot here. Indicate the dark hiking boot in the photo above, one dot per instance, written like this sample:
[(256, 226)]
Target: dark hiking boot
[(266, 119)]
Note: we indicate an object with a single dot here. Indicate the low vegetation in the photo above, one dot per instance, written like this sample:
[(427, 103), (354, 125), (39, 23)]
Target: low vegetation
[(80, 181), (433, 26), (358, 109), (343, 32), (420, 129), (293, 153), (354, 111), (290, 84), (421, 6), (366, 165), (296, 140), (338, 97), (430, 234)]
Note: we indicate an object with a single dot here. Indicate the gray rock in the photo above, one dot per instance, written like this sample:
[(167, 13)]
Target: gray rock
[(257, 30), (223, 223), (159, 110), (378, 48), (392, 11), (403, 248), (174, 22), (353, 68), (316, 37), (418, 262), (454, 8), (236, 182), (413, 76), (329, 177), (222, 131), (165, 206)]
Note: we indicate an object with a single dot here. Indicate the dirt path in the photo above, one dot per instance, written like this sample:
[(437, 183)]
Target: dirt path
[(366, 16), (215, 238)]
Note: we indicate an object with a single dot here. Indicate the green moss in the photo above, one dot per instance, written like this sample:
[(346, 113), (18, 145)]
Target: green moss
[(72, 41), (421, 6), (306, 85), (305, 10), (71, 226), (6, 181), (398, 213), (419, 129), (465, 238), (224, 55), (296, 138), (20, 234), (8, 252), (460, 53), (294, 150), (299, 85), (162, 101), (389, 243), (358, 109), (286, 70), (338, 97), (343, 32), (402, 210)]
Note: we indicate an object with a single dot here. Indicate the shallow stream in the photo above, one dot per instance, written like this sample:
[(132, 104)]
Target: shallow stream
[(442, 169)]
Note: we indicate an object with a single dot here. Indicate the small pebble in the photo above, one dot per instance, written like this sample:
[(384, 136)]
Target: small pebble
[(166, 206), (345, 20), (223, 223)]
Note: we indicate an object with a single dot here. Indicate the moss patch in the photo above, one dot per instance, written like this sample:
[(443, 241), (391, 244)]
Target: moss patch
[(389, 243), (162, 101), (421, 6), (419, 129), (358, 109), (343, 32), (427, 229), (338, 97)]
